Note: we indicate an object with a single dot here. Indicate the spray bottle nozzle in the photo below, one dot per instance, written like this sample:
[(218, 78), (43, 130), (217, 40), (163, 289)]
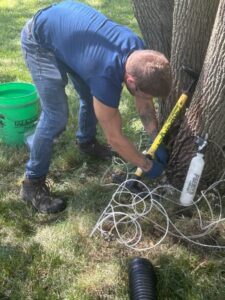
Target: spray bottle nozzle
[(202, 142)]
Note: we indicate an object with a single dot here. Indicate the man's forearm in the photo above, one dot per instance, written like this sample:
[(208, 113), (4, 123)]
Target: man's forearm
[(110, 120), (150, 123), (128, 151), (147, 115), (152, 130)]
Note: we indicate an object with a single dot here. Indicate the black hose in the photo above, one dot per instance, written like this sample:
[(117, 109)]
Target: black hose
[(142, 280)]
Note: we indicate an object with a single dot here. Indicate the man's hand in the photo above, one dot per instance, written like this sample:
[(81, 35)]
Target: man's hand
[(156, 170), (162, 154), (159, 163)]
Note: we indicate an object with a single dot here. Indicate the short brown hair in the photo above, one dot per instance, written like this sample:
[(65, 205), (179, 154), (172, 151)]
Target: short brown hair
[(152, 72)]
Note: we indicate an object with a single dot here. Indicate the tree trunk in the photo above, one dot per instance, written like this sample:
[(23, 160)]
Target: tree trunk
[(192, 25), (155, 20), (206, 113), (198, 36)]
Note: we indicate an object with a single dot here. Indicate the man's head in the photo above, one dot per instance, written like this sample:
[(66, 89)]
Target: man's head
[(148, 72)]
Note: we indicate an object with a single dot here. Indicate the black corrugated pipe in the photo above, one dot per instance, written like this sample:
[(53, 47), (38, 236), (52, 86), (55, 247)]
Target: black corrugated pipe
[(142, 280)]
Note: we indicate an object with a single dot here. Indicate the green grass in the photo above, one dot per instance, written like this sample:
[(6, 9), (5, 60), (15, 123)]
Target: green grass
[(53, 257)]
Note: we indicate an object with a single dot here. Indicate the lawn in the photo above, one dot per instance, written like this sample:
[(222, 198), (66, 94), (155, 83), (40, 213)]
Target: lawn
[(54, 257)]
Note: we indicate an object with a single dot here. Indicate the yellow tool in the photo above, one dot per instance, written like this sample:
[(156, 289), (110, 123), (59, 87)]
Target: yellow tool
[(172, 116)]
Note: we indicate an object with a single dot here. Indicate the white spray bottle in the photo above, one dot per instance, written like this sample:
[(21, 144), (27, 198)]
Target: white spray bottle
[(193, 175)]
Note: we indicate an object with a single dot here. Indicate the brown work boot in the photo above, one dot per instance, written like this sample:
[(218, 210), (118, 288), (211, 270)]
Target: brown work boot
[(37, 192), (94, 149)]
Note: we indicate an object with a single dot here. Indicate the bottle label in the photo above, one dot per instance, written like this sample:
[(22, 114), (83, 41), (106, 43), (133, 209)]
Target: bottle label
[(193, 183)]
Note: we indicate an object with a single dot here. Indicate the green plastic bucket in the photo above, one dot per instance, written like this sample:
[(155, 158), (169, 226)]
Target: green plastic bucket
[(19, 110)]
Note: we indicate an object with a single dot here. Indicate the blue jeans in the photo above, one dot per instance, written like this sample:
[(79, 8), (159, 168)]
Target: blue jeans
[(50, 78)]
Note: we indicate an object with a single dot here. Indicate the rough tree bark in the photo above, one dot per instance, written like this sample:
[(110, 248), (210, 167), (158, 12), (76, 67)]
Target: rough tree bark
[(155, 20), (206, 113), (198, 41)]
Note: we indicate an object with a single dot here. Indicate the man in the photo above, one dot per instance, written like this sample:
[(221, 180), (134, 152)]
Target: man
[(73, 39)]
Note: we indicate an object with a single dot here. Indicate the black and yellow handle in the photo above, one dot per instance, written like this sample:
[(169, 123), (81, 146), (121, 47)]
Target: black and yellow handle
[(158, 140)]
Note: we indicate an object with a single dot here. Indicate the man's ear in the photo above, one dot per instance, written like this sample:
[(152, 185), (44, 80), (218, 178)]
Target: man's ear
[(130, 82)]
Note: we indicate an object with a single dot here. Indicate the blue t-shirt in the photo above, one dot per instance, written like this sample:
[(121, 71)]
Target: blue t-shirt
[(94, 47)]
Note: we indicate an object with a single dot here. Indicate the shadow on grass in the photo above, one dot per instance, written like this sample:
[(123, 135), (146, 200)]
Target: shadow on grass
[(11, 157), (26, 272), (15, 263), (23, 219), (46, 268), (175, 280), (91, 198), (179, 279), (16, 218)]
